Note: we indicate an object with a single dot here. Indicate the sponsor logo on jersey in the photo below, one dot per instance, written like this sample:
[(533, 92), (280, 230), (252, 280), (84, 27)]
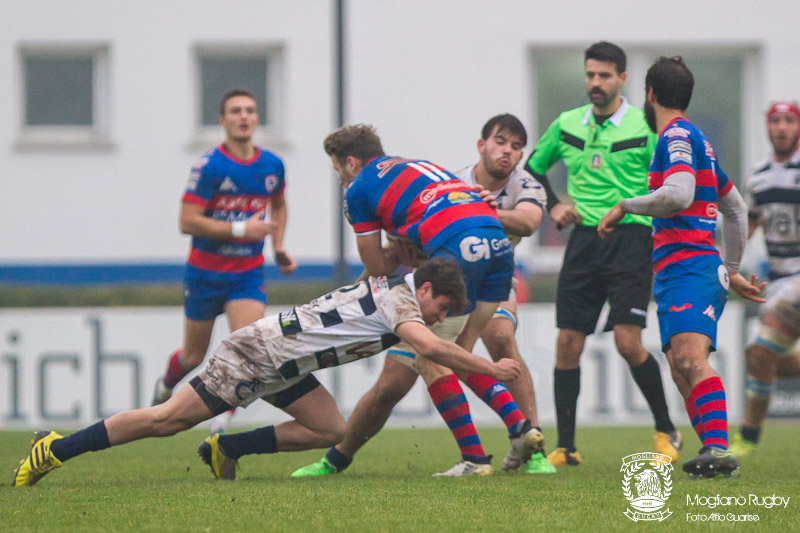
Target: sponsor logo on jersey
[(194, 177), (224, 202), (429, 193), (228, 185), (674, 157), (684, 307), (459, 198), (709, 149), (711, 210), (596, 163), (474, 249), (676, 131), (381, 283), (709, 312), (271, 183), (679, 145)]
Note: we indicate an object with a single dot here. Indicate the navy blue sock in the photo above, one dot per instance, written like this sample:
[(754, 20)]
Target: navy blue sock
[(261, 440), (751, 434), (338, 459), (90, 439)]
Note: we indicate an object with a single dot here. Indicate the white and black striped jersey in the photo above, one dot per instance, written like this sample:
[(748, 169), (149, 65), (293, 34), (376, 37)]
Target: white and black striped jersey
[(773, 194), (350, 323), (520, 187)]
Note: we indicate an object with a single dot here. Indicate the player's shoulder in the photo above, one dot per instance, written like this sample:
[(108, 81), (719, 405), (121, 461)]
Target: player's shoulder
[(266, 156), (466, 174), (208, 159), (574, 116)]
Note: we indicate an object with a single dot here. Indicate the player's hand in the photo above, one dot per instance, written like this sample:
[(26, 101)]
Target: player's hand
[(564, 215), (505, 370), (610, 220), (485, 195), (748, 289), (285, 262), (256, 228)]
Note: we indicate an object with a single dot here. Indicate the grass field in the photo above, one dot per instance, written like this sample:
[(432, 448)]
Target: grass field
[(161, 485)]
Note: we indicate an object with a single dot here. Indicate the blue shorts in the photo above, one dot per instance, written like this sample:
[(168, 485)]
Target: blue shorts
[(691, 295), (205, 293), (486, 258)]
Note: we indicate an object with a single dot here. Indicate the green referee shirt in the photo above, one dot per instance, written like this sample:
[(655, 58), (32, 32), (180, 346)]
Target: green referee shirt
[(605, 164)]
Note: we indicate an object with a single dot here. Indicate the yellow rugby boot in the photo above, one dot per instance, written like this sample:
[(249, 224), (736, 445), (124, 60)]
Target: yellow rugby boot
[(39, 462)]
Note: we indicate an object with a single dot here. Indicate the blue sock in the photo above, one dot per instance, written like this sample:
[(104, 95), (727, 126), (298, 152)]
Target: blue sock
[(90, 439), (338, 459), (261, 440)]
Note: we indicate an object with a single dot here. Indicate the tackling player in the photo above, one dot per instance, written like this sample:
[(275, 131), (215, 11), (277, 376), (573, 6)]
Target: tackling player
[(273, 358), (230, 188), (691, 282), (773, 197)]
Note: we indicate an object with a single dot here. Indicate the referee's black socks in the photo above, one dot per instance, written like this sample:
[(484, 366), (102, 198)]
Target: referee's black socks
[(648, 377), (566, 387)]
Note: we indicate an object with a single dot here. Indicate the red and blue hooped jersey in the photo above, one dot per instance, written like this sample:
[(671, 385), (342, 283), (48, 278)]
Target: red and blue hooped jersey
[(683, 147), (416, 199), (232, 189)]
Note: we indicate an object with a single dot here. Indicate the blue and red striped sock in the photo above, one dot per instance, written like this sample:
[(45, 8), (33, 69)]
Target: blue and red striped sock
[(709, 397), (496, 396), (449, 399), (175, 370), (697, 424)]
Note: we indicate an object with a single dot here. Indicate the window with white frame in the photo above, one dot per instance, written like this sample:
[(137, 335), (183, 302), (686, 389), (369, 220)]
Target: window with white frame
[(63, 94), (222, 68)]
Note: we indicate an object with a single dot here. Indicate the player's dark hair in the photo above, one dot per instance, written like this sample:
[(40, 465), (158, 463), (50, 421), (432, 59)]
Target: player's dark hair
[(230, 94), (672, 82), (446, 280), (502, 122), (358, 140), (608, 53)]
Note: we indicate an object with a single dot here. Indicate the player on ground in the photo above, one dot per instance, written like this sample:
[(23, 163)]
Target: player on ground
[(521, 201), (606, 147), (691, 283), (229, 190), (428, 210), (773, 197), (273, 359)]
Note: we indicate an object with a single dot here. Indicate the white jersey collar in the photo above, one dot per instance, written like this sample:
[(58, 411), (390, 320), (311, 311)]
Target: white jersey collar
[(615, 119)]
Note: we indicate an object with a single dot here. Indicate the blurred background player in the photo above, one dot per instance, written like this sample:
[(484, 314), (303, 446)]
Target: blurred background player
[(425, 208), (272, 359), (773, 197), (229, 190), (606, 147), (691, 283)]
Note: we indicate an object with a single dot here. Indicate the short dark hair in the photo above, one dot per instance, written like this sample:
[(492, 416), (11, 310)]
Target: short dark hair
[(502, 122), (446, 280), (358, 140), (608, 53), (672, 82), (230, 94)]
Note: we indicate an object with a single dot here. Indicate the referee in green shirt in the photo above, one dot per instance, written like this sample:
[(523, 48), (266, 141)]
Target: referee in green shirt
[(606, 147)]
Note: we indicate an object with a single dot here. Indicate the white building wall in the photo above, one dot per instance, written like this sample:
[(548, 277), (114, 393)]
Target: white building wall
[(426, 73)]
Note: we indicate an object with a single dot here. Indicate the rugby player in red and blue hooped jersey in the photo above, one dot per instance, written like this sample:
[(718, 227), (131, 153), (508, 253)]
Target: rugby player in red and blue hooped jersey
[(424, 208), (691, 283), (223, 208)]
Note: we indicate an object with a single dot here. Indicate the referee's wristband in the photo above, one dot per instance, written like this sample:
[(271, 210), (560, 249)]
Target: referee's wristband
[(238, 229)]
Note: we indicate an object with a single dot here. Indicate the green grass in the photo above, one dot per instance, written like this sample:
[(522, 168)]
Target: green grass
[(160, 485)]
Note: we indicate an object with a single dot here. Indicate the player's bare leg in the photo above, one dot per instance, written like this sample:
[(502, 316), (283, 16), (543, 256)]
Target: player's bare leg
[(647, 375), (566, 387)]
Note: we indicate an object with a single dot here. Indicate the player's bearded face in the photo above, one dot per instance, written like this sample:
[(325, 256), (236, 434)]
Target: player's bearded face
[(650, 116), (603, 82), (500, 153), (784, 131)]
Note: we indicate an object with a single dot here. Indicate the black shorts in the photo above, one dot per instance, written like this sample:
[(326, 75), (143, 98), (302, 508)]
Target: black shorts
[(617, 268), (280, 399)]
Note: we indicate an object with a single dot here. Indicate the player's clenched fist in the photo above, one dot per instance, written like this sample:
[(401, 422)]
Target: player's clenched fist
[(256, 228), (505, 370)]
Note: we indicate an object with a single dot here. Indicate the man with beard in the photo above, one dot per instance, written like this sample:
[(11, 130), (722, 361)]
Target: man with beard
[(688, 187), (606, 147), (773, 197)]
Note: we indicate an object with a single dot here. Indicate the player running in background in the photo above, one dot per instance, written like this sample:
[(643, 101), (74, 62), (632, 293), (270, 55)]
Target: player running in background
[(428, 210), (521, 201), (230, 188), (606, 147), (773, 197), (691, 283), (273, 358)]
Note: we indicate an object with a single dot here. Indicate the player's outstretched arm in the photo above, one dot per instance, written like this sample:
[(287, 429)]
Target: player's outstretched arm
[(523, 220), (194, 222), (449, 354), (748, 289)]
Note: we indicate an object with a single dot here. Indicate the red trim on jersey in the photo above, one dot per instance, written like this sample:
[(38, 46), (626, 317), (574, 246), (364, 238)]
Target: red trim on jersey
[(194, 199), (238, 202), (391, 195), (441, 219), (680, 256), (693, 236), (221, 263), (706, 178), (726, 188), (235, 159), (700, 209), (363, 227), (679, 168)]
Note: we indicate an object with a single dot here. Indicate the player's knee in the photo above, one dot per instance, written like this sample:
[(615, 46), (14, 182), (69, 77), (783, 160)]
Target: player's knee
[(499, 342), (387, 395), (761, 362), (334, 434), (629, 348), (685, 364)]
